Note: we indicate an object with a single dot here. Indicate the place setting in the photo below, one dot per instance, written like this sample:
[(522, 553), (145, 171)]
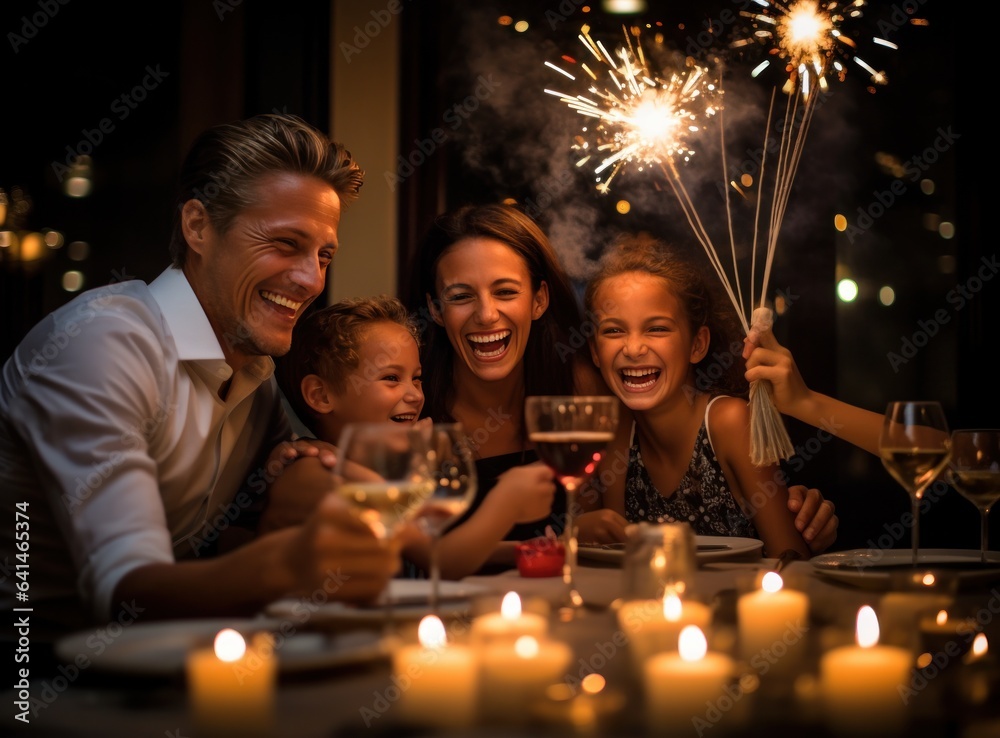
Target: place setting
[(918, 450)]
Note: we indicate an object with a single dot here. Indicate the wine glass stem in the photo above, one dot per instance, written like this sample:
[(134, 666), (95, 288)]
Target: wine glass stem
[(435, 575), (569, 563), (915, 531), (984, 533)]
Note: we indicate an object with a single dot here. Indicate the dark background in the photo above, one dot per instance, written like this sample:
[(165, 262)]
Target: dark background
[(223, 61)]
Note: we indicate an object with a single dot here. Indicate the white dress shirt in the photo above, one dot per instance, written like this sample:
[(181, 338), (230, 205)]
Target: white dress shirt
[(113, 432)]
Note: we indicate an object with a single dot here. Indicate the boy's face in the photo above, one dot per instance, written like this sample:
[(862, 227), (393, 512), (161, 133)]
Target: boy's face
[(386, 385)]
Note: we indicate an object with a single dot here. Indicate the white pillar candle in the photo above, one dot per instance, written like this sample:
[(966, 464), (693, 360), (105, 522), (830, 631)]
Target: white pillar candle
[(517, 673), (773, 622), (860, 685), (231, 687), (441, 679), (681, 685), (653, 626), (509, 624)]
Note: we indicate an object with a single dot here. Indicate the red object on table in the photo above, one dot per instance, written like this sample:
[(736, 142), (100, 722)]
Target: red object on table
[(541, 557)]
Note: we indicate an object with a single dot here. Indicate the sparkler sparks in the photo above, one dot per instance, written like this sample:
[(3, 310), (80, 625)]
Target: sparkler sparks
[(812, 37), (640, 114)]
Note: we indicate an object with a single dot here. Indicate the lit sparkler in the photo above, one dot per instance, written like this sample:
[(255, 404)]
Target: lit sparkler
[(812, 38), (640, 115)]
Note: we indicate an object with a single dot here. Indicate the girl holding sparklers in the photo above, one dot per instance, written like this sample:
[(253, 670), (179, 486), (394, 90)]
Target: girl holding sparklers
[(660, 336)]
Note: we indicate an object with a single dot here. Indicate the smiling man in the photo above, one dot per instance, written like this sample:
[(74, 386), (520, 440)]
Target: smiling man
[(155, 405)]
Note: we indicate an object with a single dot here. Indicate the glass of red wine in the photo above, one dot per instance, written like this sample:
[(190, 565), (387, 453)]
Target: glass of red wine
[(570, 433)]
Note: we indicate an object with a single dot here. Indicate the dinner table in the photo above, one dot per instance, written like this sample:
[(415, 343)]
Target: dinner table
[(338, 670)]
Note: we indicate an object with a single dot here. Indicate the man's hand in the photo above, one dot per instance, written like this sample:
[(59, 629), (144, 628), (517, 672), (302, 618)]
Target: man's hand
[(814, 517)]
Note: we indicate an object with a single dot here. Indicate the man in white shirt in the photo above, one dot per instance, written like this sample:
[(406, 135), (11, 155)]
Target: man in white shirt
[(135, 420)]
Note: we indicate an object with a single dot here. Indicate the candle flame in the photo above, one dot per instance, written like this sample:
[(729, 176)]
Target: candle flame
[(772, 582), (980, 645), (431, 633), (510, 608), (867, 628), (691, 643), (671, 607), (942, 617), (229, 645), (928, 579), (526, 647)]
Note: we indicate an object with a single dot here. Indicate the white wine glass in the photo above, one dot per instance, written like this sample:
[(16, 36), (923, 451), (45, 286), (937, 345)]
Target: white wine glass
[(974, 471), (452, 470), (382, 474), (914, 446), (571, 433)]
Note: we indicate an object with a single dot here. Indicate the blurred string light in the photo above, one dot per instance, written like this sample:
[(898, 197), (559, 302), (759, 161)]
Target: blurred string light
[(73, 281), (18, 244), (886, 295), (78, 182), (620, 7), (847, 290)]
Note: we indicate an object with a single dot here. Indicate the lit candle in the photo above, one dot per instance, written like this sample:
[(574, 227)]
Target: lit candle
[(977, 677), (860, 684), (514, 674), (680, 685), (442, 679), (232, 687), (653, 626), (898, 612), (941, 633), (773, 622), (509, 624)]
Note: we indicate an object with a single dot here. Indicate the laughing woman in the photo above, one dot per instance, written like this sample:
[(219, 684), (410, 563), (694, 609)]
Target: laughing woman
[(498, 311)]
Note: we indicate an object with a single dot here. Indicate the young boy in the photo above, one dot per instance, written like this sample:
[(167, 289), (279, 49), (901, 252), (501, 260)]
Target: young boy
[(358, 361)]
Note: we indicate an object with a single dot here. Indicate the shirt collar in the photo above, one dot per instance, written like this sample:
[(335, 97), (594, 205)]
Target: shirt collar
[(192, 332)]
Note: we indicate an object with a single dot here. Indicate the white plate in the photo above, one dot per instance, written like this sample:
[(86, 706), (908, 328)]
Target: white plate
[(410, 600), (873, 567), (735, 548), (161, 648)]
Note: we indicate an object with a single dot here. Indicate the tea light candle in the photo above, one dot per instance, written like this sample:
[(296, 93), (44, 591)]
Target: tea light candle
[(516, 673), (678, 684), (653, 626), (442, 678), (898, 613), (772, 626), (232, 687), (978, 677), (941, 633), (859, 684), (509, 624)]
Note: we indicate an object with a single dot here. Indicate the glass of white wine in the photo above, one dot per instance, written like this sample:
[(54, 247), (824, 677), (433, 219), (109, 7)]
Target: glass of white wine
[(382, 473), (974, 471), (915, 445), (453, 473)]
